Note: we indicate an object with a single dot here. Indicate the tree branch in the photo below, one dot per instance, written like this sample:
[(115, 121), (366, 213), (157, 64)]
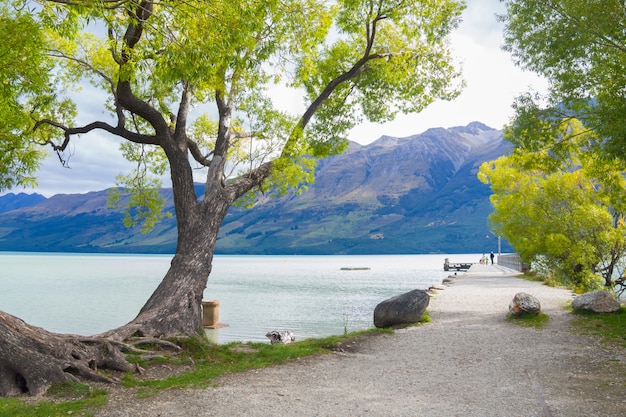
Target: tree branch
[(197, 153), (69, 131), (108, 4), (59, 54), (134, 30), (353, 72), (248, 181), (180, 131)]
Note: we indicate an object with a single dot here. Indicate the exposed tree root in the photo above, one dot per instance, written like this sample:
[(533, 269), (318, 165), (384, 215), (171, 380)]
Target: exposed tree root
[(32, 359)]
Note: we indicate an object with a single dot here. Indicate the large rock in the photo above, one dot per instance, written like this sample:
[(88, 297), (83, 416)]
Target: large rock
[(597, 301), (523, 304), (406, 308)]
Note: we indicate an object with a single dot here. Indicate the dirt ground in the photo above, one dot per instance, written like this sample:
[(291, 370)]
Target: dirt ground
[(468, 361)]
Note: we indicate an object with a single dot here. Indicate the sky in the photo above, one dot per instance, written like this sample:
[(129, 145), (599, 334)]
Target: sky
[(492, 83)]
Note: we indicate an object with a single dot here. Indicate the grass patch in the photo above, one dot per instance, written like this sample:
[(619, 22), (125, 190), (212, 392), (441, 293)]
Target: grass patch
[(212, 361), (425, 317), (529, 275), (209, 362), (62, 400), (73, 390), (536, 321), (610, 326), (533, 276)]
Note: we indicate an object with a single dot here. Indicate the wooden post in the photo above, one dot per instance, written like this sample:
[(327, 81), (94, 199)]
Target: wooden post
[(210, 313)]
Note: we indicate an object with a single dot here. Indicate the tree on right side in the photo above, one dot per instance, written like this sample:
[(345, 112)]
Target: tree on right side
[(563, 216), (559, 198)]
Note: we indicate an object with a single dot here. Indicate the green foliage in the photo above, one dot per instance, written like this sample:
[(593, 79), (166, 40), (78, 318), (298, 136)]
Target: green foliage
[(564, 214), (408, 63), (578, 45), (70, 399), (348, 61), (217, 360), (537, 321), (144, 204), (426, 317), (610, 326), (23, 89)]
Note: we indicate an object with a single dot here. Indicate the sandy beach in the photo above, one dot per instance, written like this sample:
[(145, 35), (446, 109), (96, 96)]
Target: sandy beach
[(468, 361)]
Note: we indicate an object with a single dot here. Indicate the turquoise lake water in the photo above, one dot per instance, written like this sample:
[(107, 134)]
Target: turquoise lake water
[(309, 295)]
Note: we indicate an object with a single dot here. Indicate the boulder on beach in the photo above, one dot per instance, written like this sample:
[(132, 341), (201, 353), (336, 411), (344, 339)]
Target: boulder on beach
[(523, 304), (407, 308), (596, 301)]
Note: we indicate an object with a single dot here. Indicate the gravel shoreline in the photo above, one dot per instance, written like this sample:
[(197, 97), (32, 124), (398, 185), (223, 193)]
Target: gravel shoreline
[(468, 361)]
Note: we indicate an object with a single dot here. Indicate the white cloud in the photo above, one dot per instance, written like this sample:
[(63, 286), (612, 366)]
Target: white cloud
[(92, 166), (492, 81)]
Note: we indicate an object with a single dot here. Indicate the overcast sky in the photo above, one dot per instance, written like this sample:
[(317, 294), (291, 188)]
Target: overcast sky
[(492, 84)]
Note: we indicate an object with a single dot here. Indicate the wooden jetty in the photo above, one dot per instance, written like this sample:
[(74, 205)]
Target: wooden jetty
[(459, 266)]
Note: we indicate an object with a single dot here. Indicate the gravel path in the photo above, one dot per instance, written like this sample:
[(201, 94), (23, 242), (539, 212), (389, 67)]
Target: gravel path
[(469, 361)]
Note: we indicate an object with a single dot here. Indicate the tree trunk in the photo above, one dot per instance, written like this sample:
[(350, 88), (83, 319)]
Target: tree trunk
[(175, 307), (32, 359)]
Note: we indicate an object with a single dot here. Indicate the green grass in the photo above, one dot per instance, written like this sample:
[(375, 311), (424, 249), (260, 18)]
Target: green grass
[(529, 275), (61, 400), (536, 321), (534, 277), (425, 317), (210, 361), (610, 326)]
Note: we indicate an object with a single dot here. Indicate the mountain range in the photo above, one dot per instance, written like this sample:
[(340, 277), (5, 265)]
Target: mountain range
[(417, 194)]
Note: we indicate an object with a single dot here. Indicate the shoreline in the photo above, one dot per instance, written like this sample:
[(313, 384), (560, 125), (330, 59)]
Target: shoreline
[(468, 361)]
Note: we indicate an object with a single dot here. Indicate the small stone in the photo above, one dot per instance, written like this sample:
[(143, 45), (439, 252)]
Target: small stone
[(524, 304), (596, 301)]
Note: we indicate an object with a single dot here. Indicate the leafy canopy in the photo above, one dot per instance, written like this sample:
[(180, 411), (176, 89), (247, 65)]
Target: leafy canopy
[(24, 87), (201, 78), (565, 214), (580, 47)]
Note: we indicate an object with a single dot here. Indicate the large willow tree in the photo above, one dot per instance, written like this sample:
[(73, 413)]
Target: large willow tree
[(187, 85), (571, 141)]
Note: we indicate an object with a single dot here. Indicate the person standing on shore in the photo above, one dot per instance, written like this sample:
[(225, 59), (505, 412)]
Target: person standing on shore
[(491, 256)]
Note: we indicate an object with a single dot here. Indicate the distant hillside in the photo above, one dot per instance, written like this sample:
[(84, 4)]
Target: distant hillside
[(417, 194), (397, 195), (13, 201)]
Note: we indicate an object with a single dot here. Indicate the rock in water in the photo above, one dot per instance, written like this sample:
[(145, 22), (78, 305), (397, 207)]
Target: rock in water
[(406, 308), (524, 304), (596, 301), (280, 337)]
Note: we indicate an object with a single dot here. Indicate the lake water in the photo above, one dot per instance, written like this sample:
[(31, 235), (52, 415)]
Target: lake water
[(309, 295)]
